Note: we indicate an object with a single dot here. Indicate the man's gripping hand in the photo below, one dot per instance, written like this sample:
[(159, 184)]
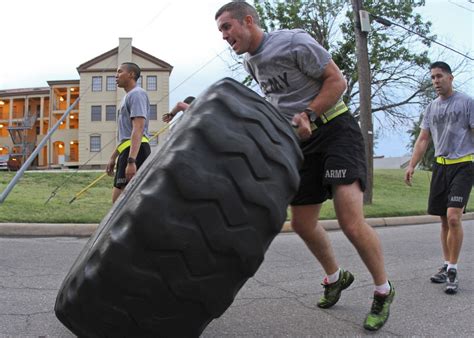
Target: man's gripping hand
[(301, 123)]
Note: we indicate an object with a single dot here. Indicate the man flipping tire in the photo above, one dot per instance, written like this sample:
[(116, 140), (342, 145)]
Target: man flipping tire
[(300, 79)]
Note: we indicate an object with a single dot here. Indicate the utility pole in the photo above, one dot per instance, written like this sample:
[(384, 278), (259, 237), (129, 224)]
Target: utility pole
[(361, 29)]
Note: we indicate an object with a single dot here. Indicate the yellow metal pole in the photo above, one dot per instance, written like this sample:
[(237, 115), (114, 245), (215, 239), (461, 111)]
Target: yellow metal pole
[(88, 187)]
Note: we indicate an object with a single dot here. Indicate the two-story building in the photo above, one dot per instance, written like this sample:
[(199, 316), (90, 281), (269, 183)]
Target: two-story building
[(88, 136)]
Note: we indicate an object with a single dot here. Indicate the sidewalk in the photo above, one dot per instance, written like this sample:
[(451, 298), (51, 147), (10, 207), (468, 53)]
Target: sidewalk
[(85, 230)]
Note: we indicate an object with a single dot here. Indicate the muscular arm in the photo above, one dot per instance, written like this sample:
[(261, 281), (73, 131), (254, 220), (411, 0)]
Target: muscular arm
[(111, 165), (331, 91), (138, 124), (180, 106), (419, 150)]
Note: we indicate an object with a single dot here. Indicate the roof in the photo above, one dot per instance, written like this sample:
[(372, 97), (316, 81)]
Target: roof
[(164, 66), (24, 91), (63, 82)]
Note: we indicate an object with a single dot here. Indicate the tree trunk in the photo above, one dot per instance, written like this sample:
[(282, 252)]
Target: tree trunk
[(364, 94)]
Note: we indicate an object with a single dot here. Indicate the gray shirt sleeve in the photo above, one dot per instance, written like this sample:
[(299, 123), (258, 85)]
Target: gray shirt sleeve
[(425, 124), (470, 108), (138, 104), (311, 58)]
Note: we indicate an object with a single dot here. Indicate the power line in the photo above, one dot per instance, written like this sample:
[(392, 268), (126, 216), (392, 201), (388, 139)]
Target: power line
[(461, 6), (388, 23)]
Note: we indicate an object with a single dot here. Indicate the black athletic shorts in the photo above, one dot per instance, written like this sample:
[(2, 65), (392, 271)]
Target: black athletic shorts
[(334, 155), (120, 181), (450, 187)]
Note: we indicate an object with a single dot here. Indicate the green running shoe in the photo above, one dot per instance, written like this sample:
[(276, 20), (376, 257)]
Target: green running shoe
[(380, 310), (332, 292)]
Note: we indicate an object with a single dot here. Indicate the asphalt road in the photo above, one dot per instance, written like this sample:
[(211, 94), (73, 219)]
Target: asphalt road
[(279, 301)]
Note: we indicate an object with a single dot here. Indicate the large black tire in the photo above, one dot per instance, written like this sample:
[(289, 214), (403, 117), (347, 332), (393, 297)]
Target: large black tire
[(191, 227)]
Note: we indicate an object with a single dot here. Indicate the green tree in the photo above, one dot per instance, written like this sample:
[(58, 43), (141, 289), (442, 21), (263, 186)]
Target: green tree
[(427, 160)]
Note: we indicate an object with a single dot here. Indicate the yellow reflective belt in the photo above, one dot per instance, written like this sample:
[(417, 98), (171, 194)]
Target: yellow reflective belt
[(125, 144), (330, 114), (442, 160)]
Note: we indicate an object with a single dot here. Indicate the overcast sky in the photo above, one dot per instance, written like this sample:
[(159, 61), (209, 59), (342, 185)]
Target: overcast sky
[(47, 40)]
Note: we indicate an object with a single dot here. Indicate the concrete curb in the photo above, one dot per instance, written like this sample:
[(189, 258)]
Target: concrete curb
[(85, 230), (384, 221), (39, 230)]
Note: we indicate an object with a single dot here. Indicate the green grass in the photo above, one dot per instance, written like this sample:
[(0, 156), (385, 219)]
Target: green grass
[(27, 201), (392, 197)]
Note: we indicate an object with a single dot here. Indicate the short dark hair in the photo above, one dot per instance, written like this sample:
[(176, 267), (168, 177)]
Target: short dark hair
[(443, 65), (133, 68), (239, 10), (189, 99)]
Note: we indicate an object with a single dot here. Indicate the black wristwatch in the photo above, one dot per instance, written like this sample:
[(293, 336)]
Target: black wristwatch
[(311, 114), (131, 160)]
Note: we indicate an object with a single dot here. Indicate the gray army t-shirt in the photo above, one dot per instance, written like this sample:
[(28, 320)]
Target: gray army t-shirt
[(288, 66), (134, 104), (451, 123)]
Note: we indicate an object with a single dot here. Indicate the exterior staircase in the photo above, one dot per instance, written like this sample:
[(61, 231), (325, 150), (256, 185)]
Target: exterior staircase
[(23, 136)]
